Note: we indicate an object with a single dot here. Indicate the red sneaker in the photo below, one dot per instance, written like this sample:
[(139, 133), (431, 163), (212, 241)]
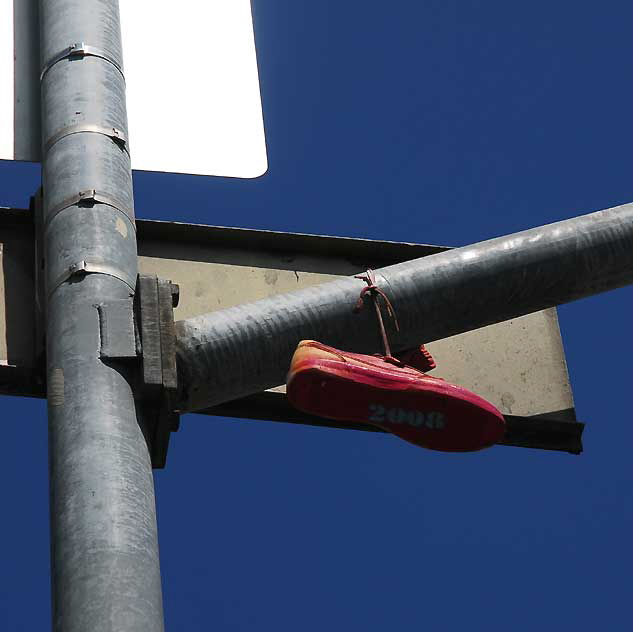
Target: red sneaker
[(419, 408)]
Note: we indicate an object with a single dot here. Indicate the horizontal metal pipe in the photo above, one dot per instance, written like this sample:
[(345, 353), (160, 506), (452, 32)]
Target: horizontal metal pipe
[(235, 352)]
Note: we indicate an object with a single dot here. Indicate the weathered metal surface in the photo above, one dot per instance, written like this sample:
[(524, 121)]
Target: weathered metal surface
[(244, 349), (116, 329), (105, 572), (519, 364)]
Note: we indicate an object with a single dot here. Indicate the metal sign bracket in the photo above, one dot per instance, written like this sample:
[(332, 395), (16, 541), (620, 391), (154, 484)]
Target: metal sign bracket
[(154, 302)]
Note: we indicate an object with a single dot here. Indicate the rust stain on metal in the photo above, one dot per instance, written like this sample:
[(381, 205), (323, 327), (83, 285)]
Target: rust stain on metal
[(271, 277), (121, 227), (56, 387)]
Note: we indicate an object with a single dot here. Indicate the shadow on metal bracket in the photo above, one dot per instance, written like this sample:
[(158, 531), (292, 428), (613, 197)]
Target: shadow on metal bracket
[(154, 302)]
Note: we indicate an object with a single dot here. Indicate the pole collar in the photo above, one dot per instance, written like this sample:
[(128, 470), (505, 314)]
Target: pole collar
[(79, 51), (116, 135), (83, 268), (90, 197)]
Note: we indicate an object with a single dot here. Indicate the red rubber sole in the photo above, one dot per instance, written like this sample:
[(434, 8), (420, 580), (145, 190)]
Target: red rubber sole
[(427, 412)]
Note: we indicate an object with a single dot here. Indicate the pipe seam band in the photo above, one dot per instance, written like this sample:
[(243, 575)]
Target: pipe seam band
[(84, 267), (116, 135), (79, 50), (90, 196)]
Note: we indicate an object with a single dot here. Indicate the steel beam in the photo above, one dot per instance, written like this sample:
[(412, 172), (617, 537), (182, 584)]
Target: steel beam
[(239, 351), (555, 431), (104, 550)]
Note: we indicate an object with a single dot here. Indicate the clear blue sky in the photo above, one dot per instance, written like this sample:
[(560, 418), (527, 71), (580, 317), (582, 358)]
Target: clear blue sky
[(442, 121)]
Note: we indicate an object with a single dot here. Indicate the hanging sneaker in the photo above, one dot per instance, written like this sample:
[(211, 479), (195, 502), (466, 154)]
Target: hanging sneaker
[(424, 410)]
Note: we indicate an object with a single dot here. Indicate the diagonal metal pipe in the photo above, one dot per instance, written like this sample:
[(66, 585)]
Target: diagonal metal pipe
[(235, 352)]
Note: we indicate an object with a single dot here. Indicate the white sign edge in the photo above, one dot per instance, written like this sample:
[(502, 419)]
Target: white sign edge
[(243, 154)]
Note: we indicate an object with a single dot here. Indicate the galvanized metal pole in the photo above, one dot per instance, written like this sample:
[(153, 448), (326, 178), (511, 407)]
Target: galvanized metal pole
[(105, 568), (243, 350)]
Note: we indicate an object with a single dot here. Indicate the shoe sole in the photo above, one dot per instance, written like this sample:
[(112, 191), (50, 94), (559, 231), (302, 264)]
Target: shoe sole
[(422, 410)]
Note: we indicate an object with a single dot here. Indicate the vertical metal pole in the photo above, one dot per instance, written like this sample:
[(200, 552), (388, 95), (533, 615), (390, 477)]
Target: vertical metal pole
[(105, 568)]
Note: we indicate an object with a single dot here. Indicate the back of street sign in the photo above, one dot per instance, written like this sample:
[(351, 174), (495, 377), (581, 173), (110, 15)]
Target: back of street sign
[(518, 365)]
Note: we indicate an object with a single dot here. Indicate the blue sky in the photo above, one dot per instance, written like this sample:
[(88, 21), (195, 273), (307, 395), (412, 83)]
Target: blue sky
[(444, 122)]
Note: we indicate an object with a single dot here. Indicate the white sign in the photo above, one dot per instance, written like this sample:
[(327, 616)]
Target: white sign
[(192, 87)]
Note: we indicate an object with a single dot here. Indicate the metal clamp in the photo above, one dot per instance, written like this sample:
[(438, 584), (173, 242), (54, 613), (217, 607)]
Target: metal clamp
[(89, 196), (79, 50), (116, 135), (155, 300), (84, 267)]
